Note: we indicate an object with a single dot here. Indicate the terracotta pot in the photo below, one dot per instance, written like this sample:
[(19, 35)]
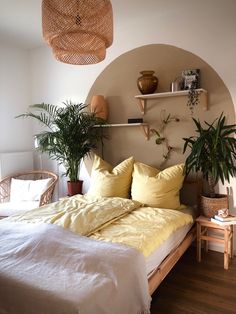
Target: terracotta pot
[(74, 187), (147, 83), (99, 107), (209, 206)]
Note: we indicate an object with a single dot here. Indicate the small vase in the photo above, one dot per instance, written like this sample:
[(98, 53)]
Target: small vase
[(99, 107), (147, 83)]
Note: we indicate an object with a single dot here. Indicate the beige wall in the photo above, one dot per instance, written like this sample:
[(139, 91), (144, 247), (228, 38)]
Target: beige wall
[(118, 84)]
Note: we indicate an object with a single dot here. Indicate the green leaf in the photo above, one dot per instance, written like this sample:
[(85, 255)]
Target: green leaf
[(71, 133), (212, 150)]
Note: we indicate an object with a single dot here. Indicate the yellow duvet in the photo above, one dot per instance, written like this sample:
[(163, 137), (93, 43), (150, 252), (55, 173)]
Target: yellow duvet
[(117, 220), (145, 228)]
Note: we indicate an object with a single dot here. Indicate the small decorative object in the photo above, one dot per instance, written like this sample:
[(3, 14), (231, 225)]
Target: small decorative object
[(224, 212), (177, 84), (212, 152), (99, 107), (191, 78), (78, 31), (147, 83), (135, 120)]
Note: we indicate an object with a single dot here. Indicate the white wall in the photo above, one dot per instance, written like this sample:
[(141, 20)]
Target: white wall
[(204, 27), (15, 134)]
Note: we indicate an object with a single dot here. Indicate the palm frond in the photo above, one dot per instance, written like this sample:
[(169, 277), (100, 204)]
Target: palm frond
[(71, 136)]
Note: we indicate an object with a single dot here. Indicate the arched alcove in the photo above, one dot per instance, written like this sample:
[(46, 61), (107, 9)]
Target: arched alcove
[(118, 84)]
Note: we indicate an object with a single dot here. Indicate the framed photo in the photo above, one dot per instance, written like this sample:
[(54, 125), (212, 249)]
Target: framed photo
[(191, 78)]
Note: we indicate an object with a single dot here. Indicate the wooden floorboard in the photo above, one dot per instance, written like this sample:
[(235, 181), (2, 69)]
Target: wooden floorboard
[(199, 288)]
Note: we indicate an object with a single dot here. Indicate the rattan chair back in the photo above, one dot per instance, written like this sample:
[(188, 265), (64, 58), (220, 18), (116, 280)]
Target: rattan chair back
[(46, 197)]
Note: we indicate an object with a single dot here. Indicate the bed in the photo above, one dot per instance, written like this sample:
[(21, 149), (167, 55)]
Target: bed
[(97, 268)]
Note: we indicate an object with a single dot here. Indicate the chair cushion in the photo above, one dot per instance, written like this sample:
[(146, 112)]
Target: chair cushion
[(12, 208), (28, 190)]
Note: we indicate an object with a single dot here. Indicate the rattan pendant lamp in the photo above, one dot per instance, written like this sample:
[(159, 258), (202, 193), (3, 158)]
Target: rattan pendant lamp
[(79, 31)]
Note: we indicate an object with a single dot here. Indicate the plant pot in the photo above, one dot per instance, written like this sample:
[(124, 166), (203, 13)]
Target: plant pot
[(209, 206), (74, 187)]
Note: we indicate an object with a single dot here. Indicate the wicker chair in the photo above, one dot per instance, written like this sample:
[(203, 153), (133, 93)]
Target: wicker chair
[(46, 196)]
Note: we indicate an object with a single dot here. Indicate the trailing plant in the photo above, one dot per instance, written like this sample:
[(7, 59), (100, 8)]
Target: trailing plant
[(159, 134), (212, 151), (71, 133), (193, 98)]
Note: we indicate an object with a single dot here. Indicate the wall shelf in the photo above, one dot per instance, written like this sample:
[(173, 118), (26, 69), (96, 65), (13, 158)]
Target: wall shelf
[(144, 127), (144, 98)]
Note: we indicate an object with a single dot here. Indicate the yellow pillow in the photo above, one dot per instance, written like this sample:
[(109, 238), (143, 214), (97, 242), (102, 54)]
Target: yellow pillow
[(156, 188), (108, 182)]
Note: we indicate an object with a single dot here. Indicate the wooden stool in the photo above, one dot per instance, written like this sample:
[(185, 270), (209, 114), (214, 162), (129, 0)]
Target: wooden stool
[(203, 226)]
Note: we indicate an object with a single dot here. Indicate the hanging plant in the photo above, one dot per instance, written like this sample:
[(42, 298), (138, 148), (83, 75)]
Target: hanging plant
[(193, 98)]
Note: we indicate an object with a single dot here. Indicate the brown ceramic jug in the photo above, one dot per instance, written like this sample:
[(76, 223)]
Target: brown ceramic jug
[(147, 83)]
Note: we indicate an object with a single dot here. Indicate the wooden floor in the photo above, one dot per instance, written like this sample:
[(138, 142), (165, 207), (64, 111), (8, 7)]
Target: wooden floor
[(197, 288)]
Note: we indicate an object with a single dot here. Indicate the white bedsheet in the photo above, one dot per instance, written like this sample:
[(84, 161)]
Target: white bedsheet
[(155, 259), (48, 270)]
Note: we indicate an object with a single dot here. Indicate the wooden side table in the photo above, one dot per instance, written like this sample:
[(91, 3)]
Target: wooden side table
[(204, 224)]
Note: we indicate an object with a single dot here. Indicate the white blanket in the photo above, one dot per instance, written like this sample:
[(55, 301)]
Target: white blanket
[(48, 270)]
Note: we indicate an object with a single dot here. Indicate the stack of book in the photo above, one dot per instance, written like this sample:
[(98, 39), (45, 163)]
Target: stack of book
[(228, 220)]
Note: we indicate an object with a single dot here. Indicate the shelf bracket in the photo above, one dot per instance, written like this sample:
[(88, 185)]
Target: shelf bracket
[(142, 105), (146, 131)]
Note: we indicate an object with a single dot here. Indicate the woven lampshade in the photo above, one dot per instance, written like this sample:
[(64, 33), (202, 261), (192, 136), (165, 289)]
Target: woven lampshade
[(79, 31)]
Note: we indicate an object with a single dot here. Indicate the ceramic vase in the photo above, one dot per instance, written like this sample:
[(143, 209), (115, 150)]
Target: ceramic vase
[(147, 83), (99, 107)]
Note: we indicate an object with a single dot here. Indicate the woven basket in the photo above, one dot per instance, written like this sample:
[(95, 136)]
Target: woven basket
[(210, 206)]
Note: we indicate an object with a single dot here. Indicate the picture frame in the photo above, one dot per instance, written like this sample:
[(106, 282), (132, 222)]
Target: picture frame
[(191, 79)]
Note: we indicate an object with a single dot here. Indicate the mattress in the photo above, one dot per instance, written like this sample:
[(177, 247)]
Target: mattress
[(155, 259), (117, 220)]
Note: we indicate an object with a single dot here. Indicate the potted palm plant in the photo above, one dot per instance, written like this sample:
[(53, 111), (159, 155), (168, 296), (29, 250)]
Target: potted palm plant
[(70, 135), (213, 153)]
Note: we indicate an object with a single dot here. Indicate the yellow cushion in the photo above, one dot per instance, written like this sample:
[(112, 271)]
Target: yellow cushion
[(156, 188), (108, 182)]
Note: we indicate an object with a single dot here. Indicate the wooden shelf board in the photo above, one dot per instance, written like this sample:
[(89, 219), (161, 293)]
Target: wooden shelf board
[(121, 124), (168, 94), (143, 98), (144, 126)]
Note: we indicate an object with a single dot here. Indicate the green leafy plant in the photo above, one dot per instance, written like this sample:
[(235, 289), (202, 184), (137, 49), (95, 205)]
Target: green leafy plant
[(213, 152), (159, 137), (193, 98), (70, 135)]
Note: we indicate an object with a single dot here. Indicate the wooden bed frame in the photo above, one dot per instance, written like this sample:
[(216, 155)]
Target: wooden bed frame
[(189, 195), (169, 262)]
